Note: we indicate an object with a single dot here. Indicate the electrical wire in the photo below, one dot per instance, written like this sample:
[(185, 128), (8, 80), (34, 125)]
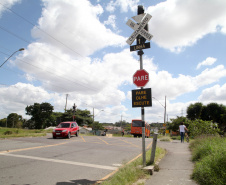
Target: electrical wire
[(56, 75), (41, 30), (21, 38)]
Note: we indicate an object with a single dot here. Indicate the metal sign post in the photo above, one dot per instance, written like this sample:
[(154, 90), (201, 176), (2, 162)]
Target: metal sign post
[(140, 53), (141, 34)]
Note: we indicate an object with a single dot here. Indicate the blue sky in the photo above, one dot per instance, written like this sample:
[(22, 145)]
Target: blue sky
[(79, 48)]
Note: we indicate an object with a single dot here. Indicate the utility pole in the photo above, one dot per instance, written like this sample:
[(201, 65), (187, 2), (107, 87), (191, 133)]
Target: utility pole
[(66, 103), (121, 122), (165, 111), (93, 119), (74, 110)]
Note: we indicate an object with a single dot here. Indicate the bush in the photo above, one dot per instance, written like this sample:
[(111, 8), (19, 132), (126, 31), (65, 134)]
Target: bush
[(8, 132), (200, 127), (209, 153)]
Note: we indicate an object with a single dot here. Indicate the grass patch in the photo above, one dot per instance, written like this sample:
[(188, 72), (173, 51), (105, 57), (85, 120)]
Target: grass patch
[(15, 132), (209, 155), (175, 137), (165, 138), (132, 172), (120, 135)]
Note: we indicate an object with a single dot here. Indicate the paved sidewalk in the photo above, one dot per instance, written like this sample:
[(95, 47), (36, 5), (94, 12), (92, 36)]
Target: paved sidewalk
[(176, 167)]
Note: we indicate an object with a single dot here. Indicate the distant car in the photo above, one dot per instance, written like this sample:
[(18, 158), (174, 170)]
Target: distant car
[(66, 129)]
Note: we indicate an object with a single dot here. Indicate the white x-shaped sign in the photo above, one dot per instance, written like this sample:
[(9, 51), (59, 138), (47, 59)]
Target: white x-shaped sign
[(142, 20)]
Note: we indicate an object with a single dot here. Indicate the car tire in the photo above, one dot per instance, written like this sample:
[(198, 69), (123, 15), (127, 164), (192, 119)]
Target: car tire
[(54, 137), (69, 135), (77, 133)]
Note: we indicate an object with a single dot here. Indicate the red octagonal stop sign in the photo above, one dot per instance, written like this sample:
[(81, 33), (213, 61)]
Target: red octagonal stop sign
[(140, 78)]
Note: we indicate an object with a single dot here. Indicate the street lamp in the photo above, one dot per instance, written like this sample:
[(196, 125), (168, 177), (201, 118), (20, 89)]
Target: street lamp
[(21, 49), (163, 107)]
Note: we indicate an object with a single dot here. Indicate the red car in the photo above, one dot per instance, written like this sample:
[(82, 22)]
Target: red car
[(66, 129)]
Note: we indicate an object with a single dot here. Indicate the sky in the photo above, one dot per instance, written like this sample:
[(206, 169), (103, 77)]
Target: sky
[(77, 50)]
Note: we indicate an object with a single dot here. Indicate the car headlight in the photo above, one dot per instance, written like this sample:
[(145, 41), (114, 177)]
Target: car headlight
[(64, 131)]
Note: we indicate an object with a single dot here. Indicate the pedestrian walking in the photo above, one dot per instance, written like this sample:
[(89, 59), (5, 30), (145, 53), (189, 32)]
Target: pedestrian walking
[(182, 129), (122, 132)]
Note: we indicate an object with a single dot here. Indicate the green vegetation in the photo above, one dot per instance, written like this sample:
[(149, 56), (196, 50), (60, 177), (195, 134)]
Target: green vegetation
[(130, 173), (200, 127), (42, 116), (174, 125), (212, 112), (15, 132), (196, 127), (175, 137), (120, 135), (209, 155), (209, 119), (164, 138)]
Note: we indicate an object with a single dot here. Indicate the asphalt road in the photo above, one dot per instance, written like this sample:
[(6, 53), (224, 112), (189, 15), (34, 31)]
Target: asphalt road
[(79, 160)]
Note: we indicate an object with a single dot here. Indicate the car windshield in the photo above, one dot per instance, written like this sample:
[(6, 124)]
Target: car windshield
[(64, 125)]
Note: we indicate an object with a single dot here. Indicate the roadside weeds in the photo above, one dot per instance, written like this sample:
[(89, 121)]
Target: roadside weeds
[(133, 172)]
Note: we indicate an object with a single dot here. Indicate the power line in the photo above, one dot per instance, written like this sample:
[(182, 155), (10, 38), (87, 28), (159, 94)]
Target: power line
[(21, 38), (61, 77), (41, 30)]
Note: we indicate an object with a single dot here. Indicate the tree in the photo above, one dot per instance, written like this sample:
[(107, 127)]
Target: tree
[(175, 123), (211, 112), (14, 120), (194, 111), (3, 122), (40, 114), (216, 113), (82, 117), (29, 124), (97, 126)]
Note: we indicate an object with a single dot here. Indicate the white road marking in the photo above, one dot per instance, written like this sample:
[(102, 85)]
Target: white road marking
[(61, 161), (118, 165)]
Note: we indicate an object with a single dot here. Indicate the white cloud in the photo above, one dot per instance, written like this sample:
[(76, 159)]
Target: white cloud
[(163, 83), (29, 77), (78, 28), (216, 93), (8, 4), (111, 21), (15, 98), (177, 23), (110, 7), (124, 5), (97, 82), (208, 62), (209, 76), (156, 112)]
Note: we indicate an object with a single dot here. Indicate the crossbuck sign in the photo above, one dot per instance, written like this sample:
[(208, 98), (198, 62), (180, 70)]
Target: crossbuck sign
[(142, 20)]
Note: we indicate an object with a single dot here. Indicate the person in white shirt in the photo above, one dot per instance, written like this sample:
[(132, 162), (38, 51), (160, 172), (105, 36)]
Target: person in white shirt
[(182, 129)]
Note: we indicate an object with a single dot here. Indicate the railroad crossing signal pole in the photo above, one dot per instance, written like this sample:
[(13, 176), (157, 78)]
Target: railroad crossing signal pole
[(140, 53), (140, 39), (141, 34)]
